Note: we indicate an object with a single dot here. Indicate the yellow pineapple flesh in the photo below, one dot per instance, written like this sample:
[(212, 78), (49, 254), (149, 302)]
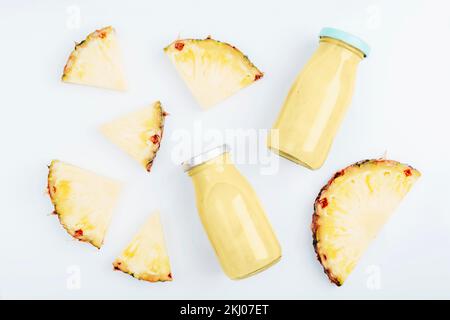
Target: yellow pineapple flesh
[(83, 201), (212, 70), (352, 208), (138, 133), (145, 258), (96, 61)]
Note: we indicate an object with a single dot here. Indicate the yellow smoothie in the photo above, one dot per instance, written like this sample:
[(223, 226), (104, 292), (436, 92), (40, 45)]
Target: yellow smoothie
[(233, 218), (316, 104)]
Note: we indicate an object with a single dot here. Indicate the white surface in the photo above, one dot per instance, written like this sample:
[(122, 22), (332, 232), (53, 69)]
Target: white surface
[(401, 106)]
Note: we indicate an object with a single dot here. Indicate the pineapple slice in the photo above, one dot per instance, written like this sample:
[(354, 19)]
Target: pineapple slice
[(138, 133), (212, 70), (352, 208), (96, 61), (83, 201), (146, 257)]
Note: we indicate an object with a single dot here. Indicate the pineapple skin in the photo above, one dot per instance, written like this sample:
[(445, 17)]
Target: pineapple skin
[(159, 133), (315, 226), (176, 43), (120, 265)]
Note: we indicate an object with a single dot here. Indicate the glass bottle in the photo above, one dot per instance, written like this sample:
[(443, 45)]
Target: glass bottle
[(232, 215), (318, 100)]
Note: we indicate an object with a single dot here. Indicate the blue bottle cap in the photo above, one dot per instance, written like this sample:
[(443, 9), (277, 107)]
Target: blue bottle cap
[(348, 38)]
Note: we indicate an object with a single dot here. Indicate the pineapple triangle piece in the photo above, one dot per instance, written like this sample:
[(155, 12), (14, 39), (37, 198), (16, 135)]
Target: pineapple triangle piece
[(96, 61), (138, 133), (212, 70), (83, 201), (352, 208), (146, 257)]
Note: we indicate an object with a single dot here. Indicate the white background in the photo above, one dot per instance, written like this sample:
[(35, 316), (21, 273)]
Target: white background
[(401, 106)]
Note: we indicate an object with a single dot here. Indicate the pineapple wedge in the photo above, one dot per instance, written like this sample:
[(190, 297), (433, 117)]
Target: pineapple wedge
[(96, 61), (138, 133), (83, 201), (352, 208), (212, 70), (146, 257)]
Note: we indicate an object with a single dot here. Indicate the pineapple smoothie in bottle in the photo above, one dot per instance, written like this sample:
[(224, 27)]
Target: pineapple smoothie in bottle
[(231, 214), (318, 99)]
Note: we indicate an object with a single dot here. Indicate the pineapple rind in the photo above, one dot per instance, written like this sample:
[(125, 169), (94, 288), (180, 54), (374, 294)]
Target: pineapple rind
[(145, 257), (327, 256), (134, 131), (213, 70), (61, 193), (161, 116), (103, 42)]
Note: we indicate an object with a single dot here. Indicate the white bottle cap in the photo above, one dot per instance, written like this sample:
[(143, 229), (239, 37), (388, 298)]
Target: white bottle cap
[(205, 156)]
